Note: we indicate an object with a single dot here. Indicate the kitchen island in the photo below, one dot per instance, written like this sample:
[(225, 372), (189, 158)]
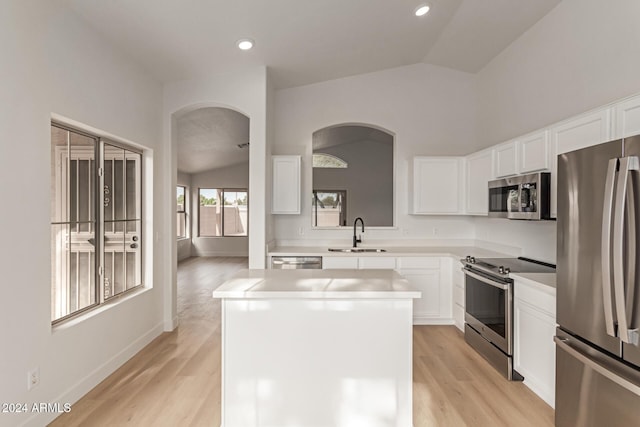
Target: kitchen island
[(316, 348)]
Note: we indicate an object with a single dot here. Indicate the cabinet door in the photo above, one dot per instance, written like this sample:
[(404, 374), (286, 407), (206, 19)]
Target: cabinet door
[(286, 185), (437, 185), (333, 262), (534, 152), (479, 171), (581, 132), (427, 308), (377, 262), (507, 159), (435, 305), (627, 115), (534, 349)]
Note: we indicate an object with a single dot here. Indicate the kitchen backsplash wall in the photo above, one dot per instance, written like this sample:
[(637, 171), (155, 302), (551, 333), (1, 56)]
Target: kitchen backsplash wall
[(433, 231), (536, 239)]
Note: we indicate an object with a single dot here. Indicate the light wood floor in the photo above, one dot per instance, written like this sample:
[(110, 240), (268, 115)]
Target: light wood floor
[(175, 380)]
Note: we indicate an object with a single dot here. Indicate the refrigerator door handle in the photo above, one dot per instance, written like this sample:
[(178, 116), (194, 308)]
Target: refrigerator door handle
[(629, 336), (564, 344), (607, 213)]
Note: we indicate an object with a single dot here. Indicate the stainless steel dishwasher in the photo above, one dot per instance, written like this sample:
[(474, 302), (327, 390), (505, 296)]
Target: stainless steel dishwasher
[(296, 262)]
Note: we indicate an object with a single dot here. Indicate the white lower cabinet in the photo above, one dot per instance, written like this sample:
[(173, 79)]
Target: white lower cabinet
[(534, 349), (332, 262), (431, 275), (434, 281), (377, 262)]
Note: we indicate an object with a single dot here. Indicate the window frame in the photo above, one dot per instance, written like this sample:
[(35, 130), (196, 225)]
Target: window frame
[(342, 217), (222, 192), (99, 221), (183, 211)]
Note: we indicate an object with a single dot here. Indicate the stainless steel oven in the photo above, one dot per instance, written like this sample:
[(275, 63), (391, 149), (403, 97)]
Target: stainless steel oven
[(489, 307)]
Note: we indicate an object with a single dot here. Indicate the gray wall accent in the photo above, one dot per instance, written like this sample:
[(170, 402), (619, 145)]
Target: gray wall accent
[(368, 180)]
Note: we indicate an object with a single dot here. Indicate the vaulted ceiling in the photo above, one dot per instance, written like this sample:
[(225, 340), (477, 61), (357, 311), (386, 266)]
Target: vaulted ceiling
[(304, 42)]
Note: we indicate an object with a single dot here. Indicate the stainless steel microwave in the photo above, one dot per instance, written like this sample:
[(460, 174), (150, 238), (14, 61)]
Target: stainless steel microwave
[(521, 197)]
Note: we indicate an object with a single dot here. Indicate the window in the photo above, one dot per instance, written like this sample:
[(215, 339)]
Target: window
[(181, 202), (96, 221), (329, 208), (223, 212), (324, 160)]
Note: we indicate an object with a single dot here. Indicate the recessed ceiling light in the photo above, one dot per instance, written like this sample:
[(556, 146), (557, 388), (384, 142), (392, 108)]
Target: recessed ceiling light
[(422, 10), (245, 44)]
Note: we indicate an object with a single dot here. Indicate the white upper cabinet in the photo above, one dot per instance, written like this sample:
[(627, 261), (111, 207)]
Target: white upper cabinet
[(582, 131), (507, 159), (286, 185), (534, 152), (479, 171), (438, 187), (627, 115)]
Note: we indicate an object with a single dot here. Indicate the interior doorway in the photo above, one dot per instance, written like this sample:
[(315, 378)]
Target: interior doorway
[(212, 191)]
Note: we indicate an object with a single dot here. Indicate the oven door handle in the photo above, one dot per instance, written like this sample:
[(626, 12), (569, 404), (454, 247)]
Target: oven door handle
[(503, 286)]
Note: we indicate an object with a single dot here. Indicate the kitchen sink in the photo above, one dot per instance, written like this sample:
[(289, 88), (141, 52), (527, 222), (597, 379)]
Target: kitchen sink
[(356, 250)]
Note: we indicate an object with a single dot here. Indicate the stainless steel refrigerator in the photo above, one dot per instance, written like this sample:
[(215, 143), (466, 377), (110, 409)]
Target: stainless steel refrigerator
[(598, 292)]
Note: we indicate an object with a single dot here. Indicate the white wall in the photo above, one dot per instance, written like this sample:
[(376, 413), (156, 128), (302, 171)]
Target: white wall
[(184, 245), (236, 176), (583, 54), (53, 64), (431, 111)]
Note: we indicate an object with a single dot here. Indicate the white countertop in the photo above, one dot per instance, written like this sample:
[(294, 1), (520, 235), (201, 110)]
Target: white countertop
[(455, 251), (347, 283), (547, 280)]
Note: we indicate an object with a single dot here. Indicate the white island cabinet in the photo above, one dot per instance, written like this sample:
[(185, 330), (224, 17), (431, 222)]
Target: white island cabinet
[(316, 348)]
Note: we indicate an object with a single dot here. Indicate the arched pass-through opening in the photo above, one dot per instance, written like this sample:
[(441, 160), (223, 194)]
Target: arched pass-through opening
[(210, 148), (353, 176)]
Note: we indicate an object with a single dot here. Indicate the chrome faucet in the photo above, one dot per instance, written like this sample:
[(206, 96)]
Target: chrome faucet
[(357, 240)]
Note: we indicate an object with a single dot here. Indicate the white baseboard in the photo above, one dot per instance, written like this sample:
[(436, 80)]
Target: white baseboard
[(82, 387), (542, 391), (219, 253), (425, 320), (170, 325)]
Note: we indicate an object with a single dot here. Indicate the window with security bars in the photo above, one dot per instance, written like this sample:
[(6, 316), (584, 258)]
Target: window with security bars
[(96, 221)]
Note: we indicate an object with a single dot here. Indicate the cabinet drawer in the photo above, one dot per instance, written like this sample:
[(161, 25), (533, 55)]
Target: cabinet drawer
[(377, 262), (543, 301), (420, 262), (333, 262)]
